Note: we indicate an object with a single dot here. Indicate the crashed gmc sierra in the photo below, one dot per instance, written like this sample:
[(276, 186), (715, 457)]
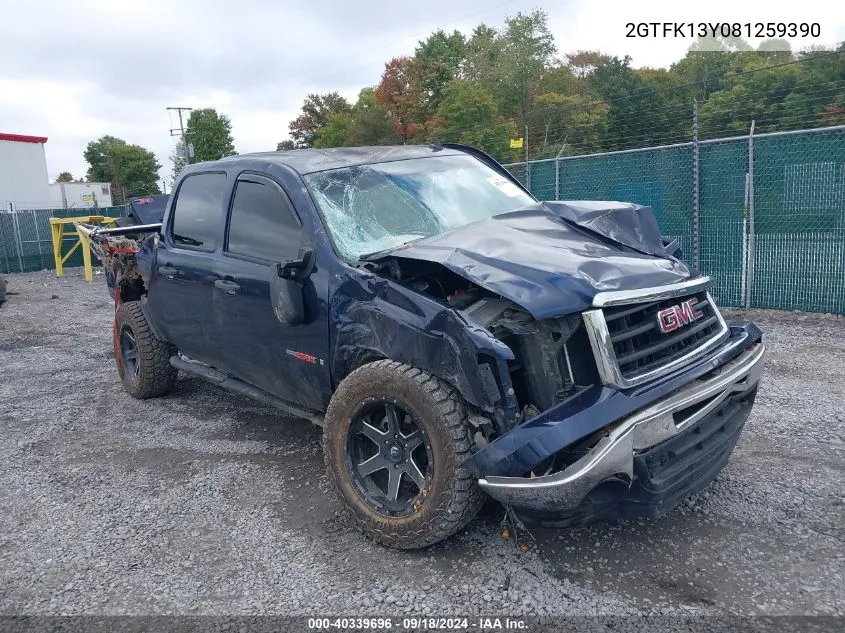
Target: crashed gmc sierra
[(454, 337)]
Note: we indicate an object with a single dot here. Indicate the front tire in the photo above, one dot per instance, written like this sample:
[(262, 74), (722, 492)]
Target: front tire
[(143, 361), (397, 443)]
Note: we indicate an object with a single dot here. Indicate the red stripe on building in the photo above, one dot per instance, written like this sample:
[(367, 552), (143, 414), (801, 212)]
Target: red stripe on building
[(22, 138)]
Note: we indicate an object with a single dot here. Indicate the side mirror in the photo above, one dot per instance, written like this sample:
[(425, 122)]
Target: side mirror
[(288, 301), (298, 268), (286, 287)]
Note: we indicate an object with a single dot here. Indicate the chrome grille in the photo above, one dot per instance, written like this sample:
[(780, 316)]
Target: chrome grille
[(628, 344), (639, 344)]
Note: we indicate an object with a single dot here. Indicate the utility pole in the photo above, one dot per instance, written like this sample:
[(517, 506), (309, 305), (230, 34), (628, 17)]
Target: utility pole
[(180, 131)]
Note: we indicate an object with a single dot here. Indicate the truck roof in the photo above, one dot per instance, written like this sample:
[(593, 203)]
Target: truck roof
[(307, 161)]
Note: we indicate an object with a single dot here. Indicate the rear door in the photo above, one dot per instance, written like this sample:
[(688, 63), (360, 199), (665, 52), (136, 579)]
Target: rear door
[(263, 230), (181, 288)]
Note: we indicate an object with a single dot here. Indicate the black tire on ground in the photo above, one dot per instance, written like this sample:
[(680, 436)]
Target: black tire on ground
[(450, 496), (142, 360)]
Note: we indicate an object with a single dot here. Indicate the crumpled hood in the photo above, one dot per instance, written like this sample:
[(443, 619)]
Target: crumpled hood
[(553, 258)]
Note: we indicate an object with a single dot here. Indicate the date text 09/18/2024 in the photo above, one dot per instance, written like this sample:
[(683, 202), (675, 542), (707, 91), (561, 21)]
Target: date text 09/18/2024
[(414, 623)]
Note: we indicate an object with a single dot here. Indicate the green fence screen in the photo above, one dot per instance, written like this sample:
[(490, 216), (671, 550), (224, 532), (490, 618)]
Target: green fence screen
[(771, 231), (25, 241)]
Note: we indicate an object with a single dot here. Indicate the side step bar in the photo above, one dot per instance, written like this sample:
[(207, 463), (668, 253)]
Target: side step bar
[(234, 385)]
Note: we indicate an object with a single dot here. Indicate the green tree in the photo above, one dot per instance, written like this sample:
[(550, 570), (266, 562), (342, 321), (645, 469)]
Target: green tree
[(367, 124), (284, 146), (315, 112), (134, 169), (644, 105), (65, 176), (97, 156), (131, 169), (437, 61), (334, 132), (567, 124), (511, 63), (179, 158), (469, 115), (210, 134)]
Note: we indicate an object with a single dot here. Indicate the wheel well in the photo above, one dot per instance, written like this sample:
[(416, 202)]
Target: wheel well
[(359, 359), (132, 289)]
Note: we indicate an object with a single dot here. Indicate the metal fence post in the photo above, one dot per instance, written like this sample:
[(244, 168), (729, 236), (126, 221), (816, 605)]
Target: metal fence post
[(696, 217), (527, 162), (750, 283), (18, 241), (557, 178)]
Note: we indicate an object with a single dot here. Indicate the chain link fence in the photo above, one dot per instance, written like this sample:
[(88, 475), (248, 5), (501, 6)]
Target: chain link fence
[(764, 215), (25, 240)]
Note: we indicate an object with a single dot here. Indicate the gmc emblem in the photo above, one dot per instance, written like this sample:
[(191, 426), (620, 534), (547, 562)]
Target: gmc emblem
[(671, 319)]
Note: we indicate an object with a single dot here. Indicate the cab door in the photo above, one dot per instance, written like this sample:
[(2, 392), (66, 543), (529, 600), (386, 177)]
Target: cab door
[(290, 362), (180, 292)]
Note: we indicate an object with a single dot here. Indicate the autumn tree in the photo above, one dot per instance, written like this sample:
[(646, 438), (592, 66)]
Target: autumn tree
[(395, 94), (315, 112)]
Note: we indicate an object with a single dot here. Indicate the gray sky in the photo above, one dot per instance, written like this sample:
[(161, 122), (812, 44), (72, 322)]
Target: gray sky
[(73, 71)]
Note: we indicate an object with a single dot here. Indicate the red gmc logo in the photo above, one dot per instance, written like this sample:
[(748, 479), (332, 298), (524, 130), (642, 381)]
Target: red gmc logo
[(670, 319)]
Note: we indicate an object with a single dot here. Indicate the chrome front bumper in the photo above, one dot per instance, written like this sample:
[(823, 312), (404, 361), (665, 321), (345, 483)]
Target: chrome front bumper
[(612, 458)]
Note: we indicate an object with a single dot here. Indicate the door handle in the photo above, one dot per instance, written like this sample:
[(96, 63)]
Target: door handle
[(167, 271), (230, 287)]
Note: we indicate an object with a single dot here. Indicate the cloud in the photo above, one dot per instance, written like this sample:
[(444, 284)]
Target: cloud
[(74, 71)]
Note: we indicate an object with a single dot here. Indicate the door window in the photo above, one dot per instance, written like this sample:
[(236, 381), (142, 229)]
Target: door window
[(262, 224), (199, 207)]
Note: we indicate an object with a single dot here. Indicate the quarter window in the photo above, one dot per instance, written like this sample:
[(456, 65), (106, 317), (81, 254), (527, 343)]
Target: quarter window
[(263, 224), (199, 206)]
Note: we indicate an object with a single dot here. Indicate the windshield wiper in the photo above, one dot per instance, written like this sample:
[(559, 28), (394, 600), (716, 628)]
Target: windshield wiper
[(369, 256)]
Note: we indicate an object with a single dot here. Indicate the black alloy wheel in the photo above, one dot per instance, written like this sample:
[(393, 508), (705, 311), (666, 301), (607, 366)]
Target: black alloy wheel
[(389, 456), (129, 352)]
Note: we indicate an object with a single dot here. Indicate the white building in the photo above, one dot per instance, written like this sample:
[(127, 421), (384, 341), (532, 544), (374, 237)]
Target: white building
[(80, 195), (23, 172)]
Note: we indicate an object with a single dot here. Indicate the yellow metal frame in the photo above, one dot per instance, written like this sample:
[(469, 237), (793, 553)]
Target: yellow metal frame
[(58, 233)]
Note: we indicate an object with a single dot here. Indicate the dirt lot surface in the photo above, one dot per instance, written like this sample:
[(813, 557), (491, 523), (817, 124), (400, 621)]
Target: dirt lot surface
[(205, 502)]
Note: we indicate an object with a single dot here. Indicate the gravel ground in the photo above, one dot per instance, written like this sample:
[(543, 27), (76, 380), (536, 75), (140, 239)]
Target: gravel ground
[(207, 503)]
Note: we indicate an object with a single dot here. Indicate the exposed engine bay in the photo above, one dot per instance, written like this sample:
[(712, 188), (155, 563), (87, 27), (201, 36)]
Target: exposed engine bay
[(552, 356)]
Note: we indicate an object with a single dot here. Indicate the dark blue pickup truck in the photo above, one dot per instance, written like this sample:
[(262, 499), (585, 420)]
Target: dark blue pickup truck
[(454, 337)]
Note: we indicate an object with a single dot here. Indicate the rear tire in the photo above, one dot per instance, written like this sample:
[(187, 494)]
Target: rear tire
[(400, 419), (143, 361)]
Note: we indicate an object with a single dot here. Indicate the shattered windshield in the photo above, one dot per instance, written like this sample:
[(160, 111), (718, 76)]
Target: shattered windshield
[(376, 207)]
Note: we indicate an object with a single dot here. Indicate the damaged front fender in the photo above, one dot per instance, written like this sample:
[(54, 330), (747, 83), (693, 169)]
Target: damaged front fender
[(378, 318)]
